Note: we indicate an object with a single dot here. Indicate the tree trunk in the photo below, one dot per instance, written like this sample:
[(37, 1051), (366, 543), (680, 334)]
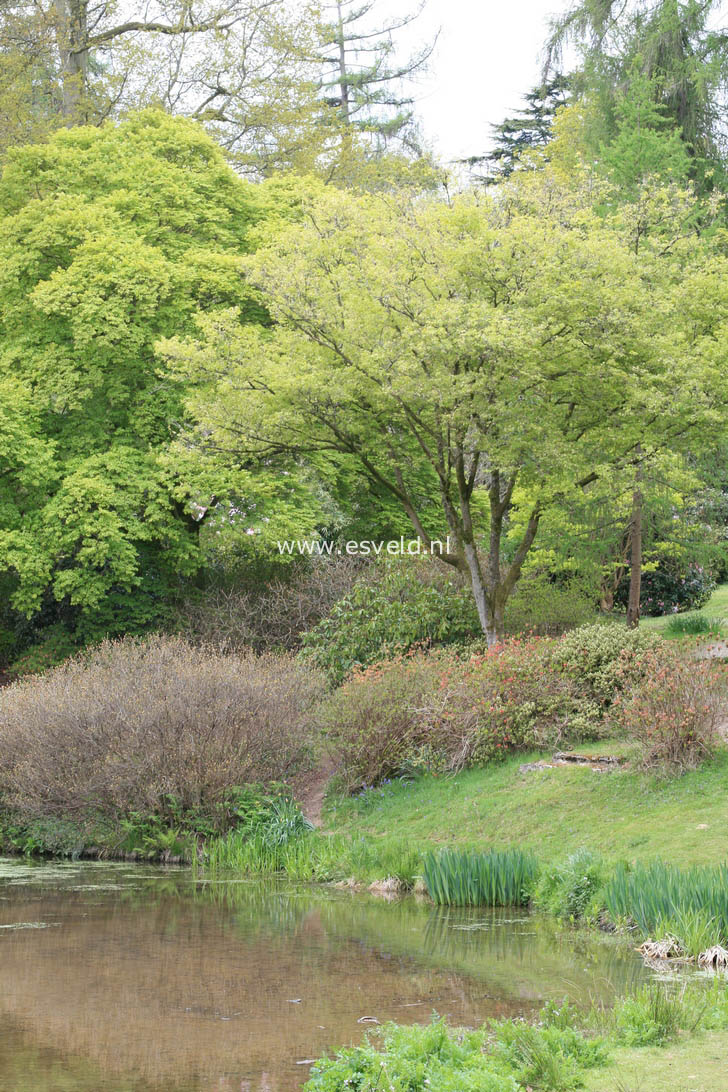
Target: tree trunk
[(635, 559), (72, 39), (343, 74)]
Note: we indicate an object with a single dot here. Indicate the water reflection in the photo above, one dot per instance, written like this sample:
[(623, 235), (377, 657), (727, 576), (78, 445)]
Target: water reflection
[(142, 980)]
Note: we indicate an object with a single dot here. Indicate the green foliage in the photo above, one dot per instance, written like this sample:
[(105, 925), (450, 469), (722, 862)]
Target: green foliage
[(388, 612), (571, 890), (549, 1057), (605, 658), (55, 646), (693, 624), (502, 1057), (305, 854), (671, 586), (546, 606), (523, 132), (648, 1018), (111, 239), (470, 878), (659, 896), (647, 143), (588, 330)]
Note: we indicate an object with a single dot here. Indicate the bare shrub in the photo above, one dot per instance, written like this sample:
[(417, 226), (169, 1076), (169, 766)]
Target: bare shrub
[(276, 614), (675, 710), (132, 723)]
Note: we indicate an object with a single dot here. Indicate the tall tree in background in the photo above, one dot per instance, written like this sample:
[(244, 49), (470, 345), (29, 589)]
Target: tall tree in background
[(246, 68), (365, 80), (674, 45), (523, 132), (481, 351)]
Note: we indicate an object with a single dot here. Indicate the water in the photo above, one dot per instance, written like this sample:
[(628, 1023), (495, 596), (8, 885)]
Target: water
[(127, 978)]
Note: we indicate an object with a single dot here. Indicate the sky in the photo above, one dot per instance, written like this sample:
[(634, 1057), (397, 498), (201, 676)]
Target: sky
[(487, 56)]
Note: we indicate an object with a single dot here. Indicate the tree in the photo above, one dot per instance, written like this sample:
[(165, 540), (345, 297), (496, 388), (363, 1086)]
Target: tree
[(672, 46), (111, 238), (530, 129), (365, 82), (495, 353), (246, 68)]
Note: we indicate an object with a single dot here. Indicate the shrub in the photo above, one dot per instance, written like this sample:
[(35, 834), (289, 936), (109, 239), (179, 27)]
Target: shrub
[(437, 711), (378, 721), (507, 698), (604, 658), (398, 606), (675, 710), (55, 647), (152, 726), (273, 615), (570, 890), (540, 605), (668, 589)]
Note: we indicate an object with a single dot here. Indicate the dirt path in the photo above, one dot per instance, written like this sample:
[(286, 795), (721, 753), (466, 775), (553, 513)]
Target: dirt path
[(311, 790)]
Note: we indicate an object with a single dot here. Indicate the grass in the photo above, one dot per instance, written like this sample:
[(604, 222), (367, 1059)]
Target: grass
[(711, 620), (694, 1065), (314, 856), (625, 814)]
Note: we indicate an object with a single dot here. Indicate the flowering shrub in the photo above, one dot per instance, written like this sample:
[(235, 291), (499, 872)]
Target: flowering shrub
[(667, 590), (445, 711), (676, 709), (508, 698)]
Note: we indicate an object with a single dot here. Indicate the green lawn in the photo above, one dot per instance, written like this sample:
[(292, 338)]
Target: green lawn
[(623, 814), (698, 1064), (715, 609)]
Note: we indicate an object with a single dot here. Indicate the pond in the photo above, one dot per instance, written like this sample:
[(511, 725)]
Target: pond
[(132, 978)]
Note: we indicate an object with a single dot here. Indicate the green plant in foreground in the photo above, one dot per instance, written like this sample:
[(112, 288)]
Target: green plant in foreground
[(500, 1057), (552, 1055), (470, 878)]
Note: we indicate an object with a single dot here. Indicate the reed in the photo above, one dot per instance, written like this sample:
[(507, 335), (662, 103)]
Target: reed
[(314, 856), (690, 904), (468, 878)]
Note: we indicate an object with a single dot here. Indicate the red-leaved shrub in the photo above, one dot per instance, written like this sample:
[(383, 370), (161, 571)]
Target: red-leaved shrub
[(506, 699), (676, 710), (379, 721)]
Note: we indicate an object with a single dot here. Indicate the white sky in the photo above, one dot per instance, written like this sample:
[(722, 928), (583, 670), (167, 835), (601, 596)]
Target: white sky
[(487, 56)]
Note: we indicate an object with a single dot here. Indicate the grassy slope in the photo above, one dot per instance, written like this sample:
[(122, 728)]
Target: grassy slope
[(696, 1065), (624, 814)]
